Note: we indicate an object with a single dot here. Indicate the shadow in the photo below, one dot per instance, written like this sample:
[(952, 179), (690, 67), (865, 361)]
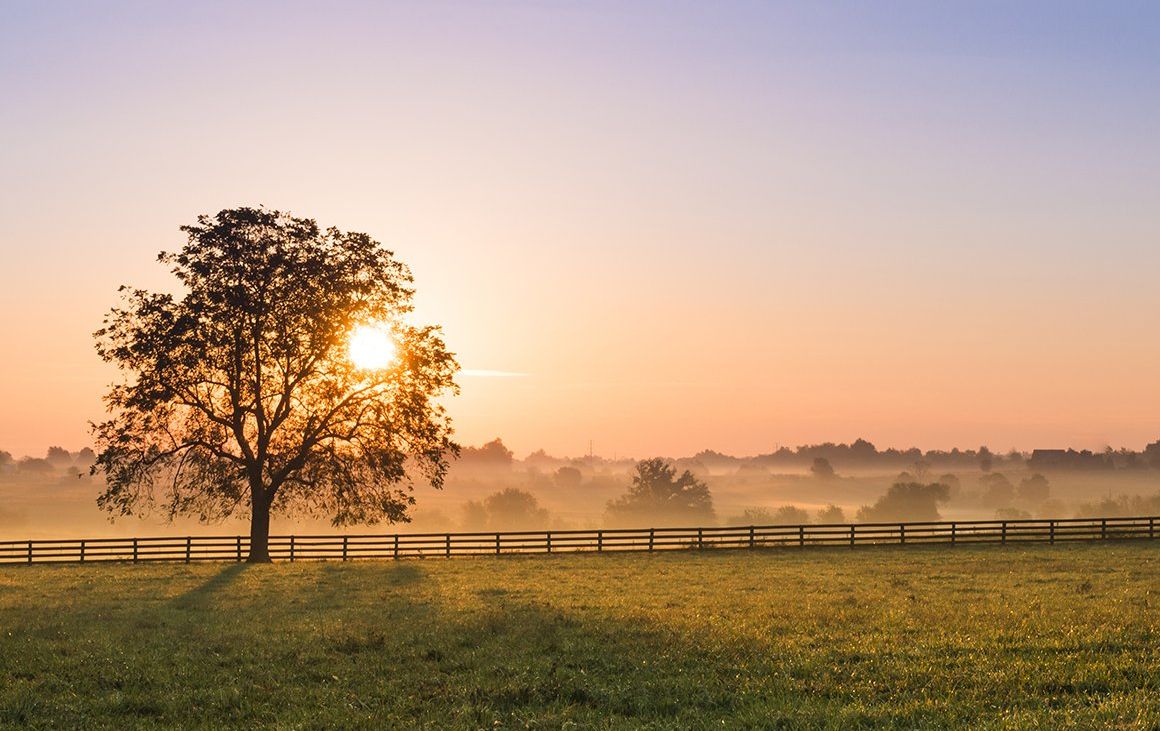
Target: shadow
[(200, 595)]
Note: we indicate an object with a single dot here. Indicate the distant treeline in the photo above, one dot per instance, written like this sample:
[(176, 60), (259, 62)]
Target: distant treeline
[(56, 462), (858, 454)]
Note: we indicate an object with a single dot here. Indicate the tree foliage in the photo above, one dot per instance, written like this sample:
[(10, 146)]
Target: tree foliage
[(657, 495), (238, 391)]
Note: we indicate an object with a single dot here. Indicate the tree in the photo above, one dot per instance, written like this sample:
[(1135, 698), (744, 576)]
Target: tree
[(240, 393), (515, 509), (494, 453), (822, 469), (657, 494), (568, 478), (906, 501), (986, 459), (789, 515), (1034, 489), (831, 514), (998, 492)]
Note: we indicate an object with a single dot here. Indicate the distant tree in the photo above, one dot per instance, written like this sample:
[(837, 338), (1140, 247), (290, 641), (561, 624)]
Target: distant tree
[(921, 470), (906, 501), (240, 393), (494, 453), (59, 456), (657, 494), (568, 478), (514, 509), (954, 485), (474, 516), (986, 459), (998, 492), (752, 516), (86, 457), (1034, 489), (35, 466), (789, 515), (5, 459), (831, 514), (822, 469)]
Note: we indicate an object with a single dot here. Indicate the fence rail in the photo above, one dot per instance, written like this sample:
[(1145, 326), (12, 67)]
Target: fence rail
[(435, 545)]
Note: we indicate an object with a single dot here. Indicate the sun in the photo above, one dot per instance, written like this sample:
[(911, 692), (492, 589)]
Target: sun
[(371, 347)]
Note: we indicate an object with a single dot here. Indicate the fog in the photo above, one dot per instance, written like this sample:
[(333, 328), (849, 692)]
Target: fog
[(490, 489)]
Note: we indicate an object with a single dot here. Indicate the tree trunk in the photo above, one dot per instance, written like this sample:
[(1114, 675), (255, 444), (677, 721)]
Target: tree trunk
[(259, 531)]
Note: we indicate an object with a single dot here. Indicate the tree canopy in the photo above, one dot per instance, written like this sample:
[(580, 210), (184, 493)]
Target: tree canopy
[(658, 496), (238, 391)]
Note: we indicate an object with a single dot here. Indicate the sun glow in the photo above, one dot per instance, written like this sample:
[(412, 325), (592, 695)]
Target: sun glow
[(371, 348)]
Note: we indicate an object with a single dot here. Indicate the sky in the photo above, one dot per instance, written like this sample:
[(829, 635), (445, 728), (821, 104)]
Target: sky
[(661, 227)]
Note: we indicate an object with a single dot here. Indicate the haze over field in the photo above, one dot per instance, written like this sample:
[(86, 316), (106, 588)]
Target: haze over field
[(657, 226)]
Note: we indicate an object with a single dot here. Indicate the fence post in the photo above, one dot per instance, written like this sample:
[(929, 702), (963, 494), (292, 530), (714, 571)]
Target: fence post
[(497, 544), (700, 539), (751, 537), (902, 534), (345, 539), (599, 541), (82, 550), (1051, 531), (238, 546), (851, 535), (650, 538), (548, 537), (1003, 538), (30, 551), (1151, 528), (134, 550), (954, 527), (1103, 529), (801, 536), (396, 546), (291, 549)]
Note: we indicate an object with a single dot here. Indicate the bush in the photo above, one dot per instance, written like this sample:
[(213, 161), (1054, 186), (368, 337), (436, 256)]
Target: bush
[(831, 514), (906, 501)]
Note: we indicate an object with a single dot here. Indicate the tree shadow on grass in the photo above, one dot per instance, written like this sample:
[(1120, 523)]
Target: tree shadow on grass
[(199, 596)]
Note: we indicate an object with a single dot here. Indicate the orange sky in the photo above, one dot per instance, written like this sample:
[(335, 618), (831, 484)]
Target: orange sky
[(732, 231)]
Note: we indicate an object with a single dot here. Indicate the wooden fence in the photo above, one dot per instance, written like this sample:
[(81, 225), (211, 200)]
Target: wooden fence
[(446, 545)]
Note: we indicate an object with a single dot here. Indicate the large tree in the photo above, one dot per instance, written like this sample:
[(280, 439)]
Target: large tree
[(240, 393), (659, 496)]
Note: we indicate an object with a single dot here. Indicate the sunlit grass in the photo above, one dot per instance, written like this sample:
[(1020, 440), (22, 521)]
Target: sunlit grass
[(990, 637)]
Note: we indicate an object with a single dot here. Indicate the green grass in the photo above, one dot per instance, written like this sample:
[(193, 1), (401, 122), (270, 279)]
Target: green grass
[(985, 637)]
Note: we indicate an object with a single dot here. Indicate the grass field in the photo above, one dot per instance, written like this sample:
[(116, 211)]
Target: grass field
[(985, 637)]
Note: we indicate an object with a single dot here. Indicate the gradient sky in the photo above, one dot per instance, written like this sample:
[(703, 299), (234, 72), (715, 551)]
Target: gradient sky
[(690, 225)]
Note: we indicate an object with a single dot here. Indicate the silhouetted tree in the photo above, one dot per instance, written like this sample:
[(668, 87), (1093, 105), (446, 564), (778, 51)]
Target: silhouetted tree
[(789, 515), (751, 516), (5, 458), (239, 391), (1034, 489), (906, 501), (658, 494), (492, 454), (58, 457), (986, 459), (567, 478), (474, 516), (998, 492), (822, 469), (831, 514), (514, 509)]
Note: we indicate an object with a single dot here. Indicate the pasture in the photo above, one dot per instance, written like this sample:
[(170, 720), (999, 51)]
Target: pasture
[(1061, 636)]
